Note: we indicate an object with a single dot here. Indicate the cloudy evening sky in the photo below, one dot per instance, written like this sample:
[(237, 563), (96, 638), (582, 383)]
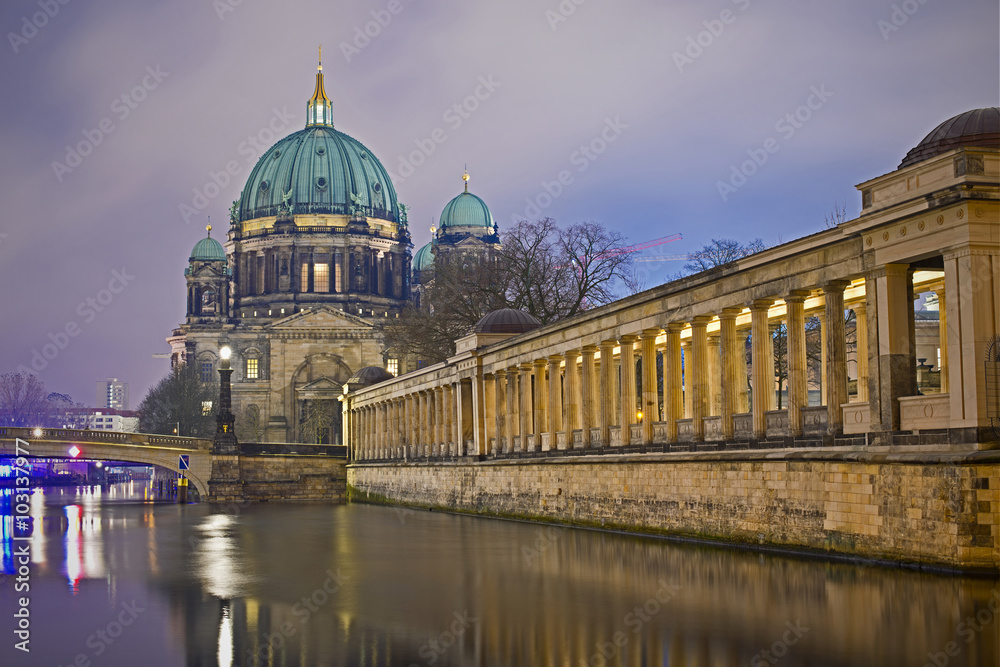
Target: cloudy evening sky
[(663, 119)]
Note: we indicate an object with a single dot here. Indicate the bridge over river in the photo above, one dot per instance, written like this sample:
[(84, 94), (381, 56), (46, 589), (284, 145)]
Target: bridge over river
[(266, 471)]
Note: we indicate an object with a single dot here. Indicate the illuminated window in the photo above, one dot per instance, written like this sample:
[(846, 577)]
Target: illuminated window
[(252, 369), (206, 371), (321, 277), (206, 408), (305, 277), (392, 365)]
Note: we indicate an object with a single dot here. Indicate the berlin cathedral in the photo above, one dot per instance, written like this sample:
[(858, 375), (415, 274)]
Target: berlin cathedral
[(318, 251)]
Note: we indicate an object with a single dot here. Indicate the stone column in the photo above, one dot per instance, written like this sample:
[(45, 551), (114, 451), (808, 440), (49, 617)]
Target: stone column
[(798, 390), (477, 388), (489, 413), (440, 435), (448, 429), (461, 417), (524, 410), (673, 398), (972, 287), (571, 393), (823, 382), (698, 372), (714, 375), (425, 422), (889, 292), (588, 393), (540, 422), (650, 398), (688, 380), (500, 403), (628, 417), (379, 428), (608, 388), (836, 354), (555, 402), (861, 336), (762, 363), (512, 422), (942, 338), (732, 365)]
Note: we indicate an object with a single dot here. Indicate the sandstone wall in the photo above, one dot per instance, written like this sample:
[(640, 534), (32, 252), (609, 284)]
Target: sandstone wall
[(942, 510), (262, 478)]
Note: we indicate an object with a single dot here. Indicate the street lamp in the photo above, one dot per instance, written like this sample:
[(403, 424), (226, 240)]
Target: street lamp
[(225, 437)]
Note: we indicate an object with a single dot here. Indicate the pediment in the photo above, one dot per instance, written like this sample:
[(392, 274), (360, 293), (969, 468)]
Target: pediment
[(323, 384), (323, 388), (322, 317), (207, 271)]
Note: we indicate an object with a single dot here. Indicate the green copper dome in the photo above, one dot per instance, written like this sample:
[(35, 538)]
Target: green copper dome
[(208, 250), (423, 259), (320, 168), (466, 210)]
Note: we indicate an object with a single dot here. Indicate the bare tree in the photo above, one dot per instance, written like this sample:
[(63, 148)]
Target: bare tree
[(721, 251), (836, 215), (249, 423), (547, 271), (22, 400)]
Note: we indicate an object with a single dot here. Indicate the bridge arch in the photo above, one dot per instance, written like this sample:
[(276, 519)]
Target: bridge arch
[(163, 451)]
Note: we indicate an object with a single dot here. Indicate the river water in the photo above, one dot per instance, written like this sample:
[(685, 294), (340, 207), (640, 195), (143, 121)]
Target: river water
[(117, 577)]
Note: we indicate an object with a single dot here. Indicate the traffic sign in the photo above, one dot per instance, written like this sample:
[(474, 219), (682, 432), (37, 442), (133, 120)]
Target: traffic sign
[(185, 463)]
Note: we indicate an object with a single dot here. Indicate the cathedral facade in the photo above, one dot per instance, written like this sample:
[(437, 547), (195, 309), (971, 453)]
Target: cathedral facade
[(317, 252)]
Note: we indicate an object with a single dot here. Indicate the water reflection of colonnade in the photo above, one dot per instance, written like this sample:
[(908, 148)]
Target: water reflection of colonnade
[(554, 596), (668, 366)]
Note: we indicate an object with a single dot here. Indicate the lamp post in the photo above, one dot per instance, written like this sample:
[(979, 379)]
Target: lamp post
[(225, 437)]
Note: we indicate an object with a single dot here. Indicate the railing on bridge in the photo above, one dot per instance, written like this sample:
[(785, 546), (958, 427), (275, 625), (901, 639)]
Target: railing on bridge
[(102, 437)]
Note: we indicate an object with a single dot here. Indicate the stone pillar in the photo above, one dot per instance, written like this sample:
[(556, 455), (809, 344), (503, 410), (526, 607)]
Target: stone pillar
[(555, 402), (608, 388), (540, 422), (448, 429), (714, 375), (571, 394), (836, 354), (762, 363), (489, 414), (478, 412), (511, 419), (688, 380), (861, 336), (733, 370), (650, 398), (698, 371), (425, 422), (461, 418), (972, 287), (439, 432), (500, 402), (524, 408), (673, 398), (798, 390), (942, 338), (823, 382), (628, 403), (588, 393)]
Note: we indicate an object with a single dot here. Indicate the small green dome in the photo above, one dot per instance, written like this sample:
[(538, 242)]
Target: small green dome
[(208, 250), (466, 210), (424, 259)]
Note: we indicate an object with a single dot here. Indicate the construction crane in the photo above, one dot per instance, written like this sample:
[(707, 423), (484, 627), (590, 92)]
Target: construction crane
[(661, 258)]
